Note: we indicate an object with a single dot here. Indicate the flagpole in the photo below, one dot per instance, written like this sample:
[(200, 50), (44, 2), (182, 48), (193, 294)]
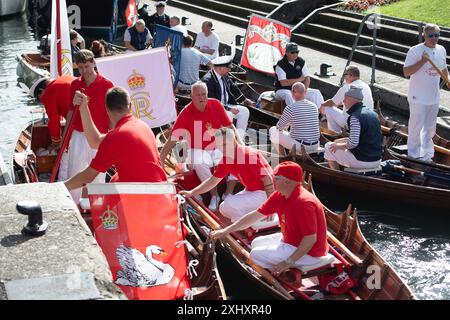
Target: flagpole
[(58, 36)]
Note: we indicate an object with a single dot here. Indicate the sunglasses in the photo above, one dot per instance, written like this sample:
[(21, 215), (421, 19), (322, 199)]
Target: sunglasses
[(293, 52), (434, 35)]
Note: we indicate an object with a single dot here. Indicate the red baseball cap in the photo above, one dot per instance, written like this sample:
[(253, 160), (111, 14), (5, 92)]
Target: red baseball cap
[(290, 170)]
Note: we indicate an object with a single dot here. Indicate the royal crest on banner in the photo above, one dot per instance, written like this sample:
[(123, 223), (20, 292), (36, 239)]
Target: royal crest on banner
[(146, 76), (265, 44), (138, 228)]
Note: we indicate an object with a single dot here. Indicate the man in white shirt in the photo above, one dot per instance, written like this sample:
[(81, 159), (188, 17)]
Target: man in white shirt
[(337, 118), (423, 93), (137, 37), (175, 24), (208, 41), (191, 59), (292, 69)]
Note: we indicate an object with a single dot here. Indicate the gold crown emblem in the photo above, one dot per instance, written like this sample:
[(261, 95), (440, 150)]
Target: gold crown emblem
[(136, 81), (109, 219)]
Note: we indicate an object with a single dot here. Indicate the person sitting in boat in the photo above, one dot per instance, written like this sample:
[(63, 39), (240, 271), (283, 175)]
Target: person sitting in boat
[(303, 237), (175, 24), (207, 41), (95, 86), (289, 70), (197, 123), (55, 96), (191, 60), (303, 119), (222, 87), (337, 118), (363, 148), (159, 17), (249, 166), (130, 146), (137, 37), (98, 49)]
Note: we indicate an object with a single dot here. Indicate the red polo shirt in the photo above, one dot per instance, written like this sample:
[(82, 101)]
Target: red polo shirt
[(193, 124), (96, 92), (56, 100), (248, 165), (131, 147), (300, 215)]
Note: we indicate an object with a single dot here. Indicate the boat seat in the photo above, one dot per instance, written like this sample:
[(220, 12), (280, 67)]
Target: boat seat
[(402, 149), (370, 171), (85, 204), (326, 264)]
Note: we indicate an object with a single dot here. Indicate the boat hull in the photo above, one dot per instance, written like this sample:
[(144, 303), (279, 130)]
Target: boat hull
[(12, 7)]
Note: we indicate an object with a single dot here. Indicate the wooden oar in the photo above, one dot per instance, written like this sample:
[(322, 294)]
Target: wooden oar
[(351, 256), (443, 76), (433, 175), (64, 144), (237, 248)]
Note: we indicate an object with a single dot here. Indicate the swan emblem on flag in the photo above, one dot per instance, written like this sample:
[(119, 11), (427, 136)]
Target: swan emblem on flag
[(139, 270)]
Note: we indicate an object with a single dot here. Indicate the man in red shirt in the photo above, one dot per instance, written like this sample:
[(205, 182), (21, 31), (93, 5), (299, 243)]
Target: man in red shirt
[(303, 237), (250, 168), (54, 94), (197, 123), (130, 146), (94, 86)]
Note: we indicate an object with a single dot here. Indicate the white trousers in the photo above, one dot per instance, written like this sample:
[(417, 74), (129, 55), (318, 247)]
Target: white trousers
[(202, 160), (313, 95), (238, 205), (241, 118), (278, 137), (63, 167), (268, 251), (347, 159), (79, 156), (336, 118), (421, 129)]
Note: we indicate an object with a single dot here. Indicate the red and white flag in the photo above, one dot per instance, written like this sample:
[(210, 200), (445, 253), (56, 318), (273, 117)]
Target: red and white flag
[(265, 44), (131, 13), (138, 228), (60, 52)]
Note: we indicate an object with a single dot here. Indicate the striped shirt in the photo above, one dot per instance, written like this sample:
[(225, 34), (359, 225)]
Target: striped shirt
[(303, 118), (355, 130)]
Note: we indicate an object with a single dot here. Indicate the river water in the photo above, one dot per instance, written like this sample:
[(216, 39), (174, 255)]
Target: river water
[(418, 246)]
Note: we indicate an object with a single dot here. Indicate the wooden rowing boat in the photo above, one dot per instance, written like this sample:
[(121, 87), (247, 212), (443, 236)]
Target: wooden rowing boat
[(344, 236)]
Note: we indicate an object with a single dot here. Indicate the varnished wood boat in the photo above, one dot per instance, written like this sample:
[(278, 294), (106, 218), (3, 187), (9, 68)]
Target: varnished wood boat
[(32, 66), (344, 236)]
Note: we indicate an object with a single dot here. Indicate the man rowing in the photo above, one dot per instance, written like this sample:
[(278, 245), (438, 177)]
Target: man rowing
[(130, 146), (197, 123), (250, 168), (303, 237), (363, 148)]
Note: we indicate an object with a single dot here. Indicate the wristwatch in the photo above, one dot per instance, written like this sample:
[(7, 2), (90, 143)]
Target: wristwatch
[(290, 261)]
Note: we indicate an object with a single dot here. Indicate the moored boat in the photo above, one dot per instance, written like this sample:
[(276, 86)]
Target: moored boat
[(12, 7), (345, 238)]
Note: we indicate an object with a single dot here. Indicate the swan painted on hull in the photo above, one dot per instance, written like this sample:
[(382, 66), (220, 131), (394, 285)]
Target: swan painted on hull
[(140, 270)]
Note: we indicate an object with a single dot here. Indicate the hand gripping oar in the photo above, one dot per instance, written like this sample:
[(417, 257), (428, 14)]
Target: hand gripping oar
[(443, 76), (238, 249), (64, 143)]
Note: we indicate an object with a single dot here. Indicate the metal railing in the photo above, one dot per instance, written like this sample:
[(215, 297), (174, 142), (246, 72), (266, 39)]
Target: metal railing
[(314, 12)]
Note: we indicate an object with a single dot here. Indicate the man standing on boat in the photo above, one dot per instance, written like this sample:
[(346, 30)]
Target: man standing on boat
[(337, 118), (130, 146), (292, 69), (303, 237), (197, 123), (207, 41), (423, 93), (137, 37), (159, 17), (303, 119), (94, 86), (363, 148), (223, 88), (245, 163)]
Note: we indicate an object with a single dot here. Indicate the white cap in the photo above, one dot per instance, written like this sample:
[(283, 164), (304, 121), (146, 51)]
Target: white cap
[(160, 3), (35, 84), (222, 61)]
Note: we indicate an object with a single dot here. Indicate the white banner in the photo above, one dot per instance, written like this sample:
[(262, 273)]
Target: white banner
[(147, 77), (60, 52)]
